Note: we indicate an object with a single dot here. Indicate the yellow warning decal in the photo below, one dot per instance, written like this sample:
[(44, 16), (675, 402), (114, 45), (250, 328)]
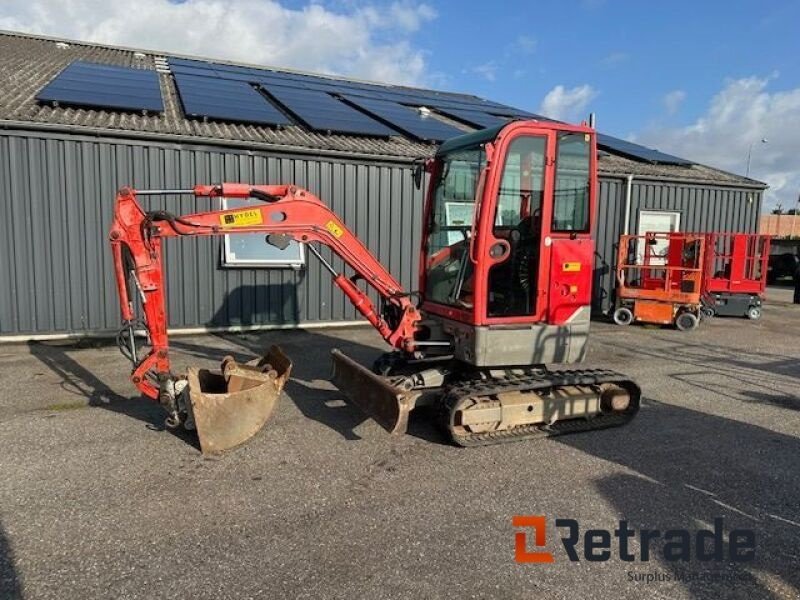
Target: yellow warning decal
[(571, 267), (334, 229), (241, 218)]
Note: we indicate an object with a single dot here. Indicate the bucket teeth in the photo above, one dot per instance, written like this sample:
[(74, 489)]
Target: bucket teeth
[(231, 405)]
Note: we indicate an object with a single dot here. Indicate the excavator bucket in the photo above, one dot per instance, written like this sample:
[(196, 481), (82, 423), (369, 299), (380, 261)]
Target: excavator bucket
[(378, 398), (230, 406)]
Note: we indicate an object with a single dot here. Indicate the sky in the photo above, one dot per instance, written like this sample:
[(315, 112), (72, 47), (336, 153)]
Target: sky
[(704, 80)]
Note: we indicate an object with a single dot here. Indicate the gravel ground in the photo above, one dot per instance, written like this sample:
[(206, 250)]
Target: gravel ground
[(97, 501)]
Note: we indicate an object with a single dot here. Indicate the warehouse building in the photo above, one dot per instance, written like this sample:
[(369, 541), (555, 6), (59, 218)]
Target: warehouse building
[(78, 120)]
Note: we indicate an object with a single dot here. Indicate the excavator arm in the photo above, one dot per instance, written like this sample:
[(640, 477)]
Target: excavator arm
[(283, 213)]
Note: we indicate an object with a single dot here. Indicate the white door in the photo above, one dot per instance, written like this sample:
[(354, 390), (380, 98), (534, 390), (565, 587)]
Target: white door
[(654, 221)]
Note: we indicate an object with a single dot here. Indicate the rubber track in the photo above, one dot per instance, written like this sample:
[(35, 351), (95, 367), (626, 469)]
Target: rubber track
[(545, 381)]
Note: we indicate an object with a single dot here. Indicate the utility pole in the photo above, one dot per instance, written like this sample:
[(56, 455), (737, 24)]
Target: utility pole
[(750, 155)]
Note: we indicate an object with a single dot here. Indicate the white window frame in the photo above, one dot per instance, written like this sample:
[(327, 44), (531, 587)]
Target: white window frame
[(230, 261), (674, 215)]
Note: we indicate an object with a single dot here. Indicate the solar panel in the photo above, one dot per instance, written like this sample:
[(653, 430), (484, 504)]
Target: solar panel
[(189, 62), (322, 112), (473, 117), (191, 70), (104, 86), (507, 111), (639, 152), (227, 100), (438, 101), (406, 119)]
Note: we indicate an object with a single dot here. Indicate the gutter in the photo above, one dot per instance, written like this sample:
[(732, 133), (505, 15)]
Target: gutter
[(691, 181)]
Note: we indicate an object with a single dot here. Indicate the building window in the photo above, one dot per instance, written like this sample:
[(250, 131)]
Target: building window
[(252, 250), (657, 221)]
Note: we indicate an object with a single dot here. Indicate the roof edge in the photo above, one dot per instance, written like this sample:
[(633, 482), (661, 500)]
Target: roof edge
[(173, 138), (757, 185), (6, 124), (168, 53)]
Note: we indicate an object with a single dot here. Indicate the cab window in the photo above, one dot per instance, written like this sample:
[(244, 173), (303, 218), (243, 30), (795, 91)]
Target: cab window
[(571, 192), (512, 283)]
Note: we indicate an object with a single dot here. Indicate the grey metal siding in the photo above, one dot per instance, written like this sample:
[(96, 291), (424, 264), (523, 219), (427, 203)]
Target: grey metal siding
[(702, 208), (57, 192)]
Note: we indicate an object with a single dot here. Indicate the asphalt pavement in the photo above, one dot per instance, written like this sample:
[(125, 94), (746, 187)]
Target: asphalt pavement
[(98, 501)]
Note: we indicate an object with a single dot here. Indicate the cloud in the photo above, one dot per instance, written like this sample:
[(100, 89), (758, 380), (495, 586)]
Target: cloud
[(366, 41), (615, 58), (411, 16), (525, 44), (742, 113), (487, 70), (673, 101), (567, 104)]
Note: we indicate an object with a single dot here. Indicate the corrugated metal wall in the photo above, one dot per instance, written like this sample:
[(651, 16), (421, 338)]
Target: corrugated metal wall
[(57, 192), (702, 208)]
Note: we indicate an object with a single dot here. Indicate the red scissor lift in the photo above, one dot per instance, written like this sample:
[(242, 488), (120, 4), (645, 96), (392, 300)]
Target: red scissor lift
[(735, 274), (660, 279)]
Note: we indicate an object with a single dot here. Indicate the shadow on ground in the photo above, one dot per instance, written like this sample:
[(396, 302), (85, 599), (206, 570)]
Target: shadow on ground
[(82, 383), (10, 585), (308, 388), (689, 468)]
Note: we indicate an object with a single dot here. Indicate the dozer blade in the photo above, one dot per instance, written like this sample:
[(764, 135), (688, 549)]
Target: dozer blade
[(230, 406), (380, 400)]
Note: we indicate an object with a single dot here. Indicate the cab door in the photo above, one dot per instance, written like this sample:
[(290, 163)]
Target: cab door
[(512, 227), (569, 235), (534, 242)]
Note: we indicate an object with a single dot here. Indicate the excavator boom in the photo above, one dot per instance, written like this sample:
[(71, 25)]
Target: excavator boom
[(283, 213)]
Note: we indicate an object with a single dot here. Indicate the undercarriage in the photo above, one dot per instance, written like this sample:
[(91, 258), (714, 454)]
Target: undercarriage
[(478, 407)]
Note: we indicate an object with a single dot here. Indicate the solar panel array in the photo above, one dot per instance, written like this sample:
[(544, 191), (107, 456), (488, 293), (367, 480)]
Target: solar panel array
[(262, 96), (104, 86), (639, 152), (326, 104)]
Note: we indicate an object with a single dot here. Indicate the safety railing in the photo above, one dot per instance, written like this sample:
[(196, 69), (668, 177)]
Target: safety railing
[(664, 267), (736, 262)]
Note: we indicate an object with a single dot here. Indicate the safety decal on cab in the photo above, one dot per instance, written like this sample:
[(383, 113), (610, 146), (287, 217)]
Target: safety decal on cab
[(241, 218), (335, 230), (571, 267)]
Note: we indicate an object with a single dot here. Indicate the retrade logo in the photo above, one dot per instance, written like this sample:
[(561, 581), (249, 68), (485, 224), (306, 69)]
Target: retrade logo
[(521, 552), (599, 545)]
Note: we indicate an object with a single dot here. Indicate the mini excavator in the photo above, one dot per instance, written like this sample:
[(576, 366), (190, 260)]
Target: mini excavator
[(505, 287)]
